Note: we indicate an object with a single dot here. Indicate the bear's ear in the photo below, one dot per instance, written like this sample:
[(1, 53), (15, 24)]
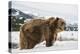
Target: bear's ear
[(57, 18)]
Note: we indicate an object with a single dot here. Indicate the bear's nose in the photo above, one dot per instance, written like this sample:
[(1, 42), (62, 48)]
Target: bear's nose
[(64, 27)]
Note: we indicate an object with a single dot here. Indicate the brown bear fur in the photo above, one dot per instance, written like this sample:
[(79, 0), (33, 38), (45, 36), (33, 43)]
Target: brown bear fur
[(38, 30)]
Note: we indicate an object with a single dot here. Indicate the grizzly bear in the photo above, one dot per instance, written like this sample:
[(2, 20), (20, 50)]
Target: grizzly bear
[(38, 30)]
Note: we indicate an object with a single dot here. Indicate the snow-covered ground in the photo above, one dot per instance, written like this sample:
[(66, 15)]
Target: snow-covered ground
[(70, 43), (59, 45)]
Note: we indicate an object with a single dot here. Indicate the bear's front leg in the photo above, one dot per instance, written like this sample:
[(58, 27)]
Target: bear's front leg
[(48, 36), (49, 43), (49, 39)]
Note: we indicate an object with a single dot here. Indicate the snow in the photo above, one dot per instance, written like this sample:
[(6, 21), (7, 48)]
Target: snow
[(15, 37), (58, 45), (68, 35)]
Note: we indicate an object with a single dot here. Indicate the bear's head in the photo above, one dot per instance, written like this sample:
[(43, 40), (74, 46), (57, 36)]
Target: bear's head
[(58, 24)]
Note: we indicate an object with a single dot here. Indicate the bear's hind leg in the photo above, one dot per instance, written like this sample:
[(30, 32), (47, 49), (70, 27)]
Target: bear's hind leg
[(30, 43)]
